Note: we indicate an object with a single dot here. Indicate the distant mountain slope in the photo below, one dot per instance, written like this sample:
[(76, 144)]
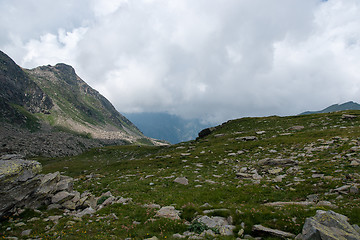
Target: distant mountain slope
[(167, 127), (78, 106), (56, 96), (337, 107)]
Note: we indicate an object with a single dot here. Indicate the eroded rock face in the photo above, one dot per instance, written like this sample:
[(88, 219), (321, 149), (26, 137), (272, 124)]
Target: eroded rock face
[(18, 181), (328, 225), (22, 187)]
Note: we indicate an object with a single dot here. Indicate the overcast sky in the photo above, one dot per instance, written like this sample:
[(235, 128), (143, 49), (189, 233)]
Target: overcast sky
[(208, 59)]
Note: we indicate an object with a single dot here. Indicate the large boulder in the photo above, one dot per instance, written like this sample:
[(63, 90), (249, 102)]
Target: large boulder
[(22, 187), (328, 225), (18, 181)]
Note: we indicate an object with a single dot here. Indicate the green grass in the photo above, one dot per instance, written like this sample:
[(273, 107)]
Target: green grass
[(146, 174), (31, 122)]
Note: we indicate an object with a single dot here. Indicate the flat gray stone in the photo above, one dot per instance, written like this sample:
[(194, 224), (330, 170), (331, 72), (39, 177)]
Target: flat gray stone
[(61, 197), (181, 180), (168, 212), (272, 232)]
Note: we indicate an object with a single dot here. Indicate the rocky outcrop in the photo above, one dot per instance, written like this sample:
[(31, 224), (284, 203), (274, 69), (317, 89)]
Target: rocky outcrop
[(21, 186), (205, 132), (328, 225), (18, 182)]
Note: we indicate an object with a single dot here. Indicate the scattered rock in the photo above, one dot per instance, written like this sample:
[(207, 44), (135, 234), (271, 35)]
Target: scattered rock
[(213, 222), (354, 190), (297, 128), (86, 211), (26, 232), (208, 232), (152, 205), (259, 229), (168, 212), (312, 198), (152, 238), (181, 180), (178, 235), (246, 138), (348, 116), (355, 163), (277, 162), (275, 170), (227, 230)]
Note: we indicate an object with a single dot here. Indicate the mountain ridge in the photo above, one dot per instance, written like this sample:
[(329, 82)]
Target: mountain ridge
[(54, 98), (350, 105)]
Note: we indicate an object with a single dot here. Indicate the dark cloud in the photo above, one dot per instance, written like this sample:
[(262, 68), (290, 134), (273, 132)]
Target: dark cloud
[(213, 60)]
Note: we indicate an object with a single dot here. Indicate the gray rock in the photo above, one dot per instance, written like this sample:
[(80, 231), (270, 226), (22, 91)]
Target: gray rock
[(227, 230), (48, 183), (213, 222), (61, 197), (328, 225), (108, 201), (348, 116), (208, 232), (152, 238), (18, 181), (246, 138), (178, 235), (181, 180), (86, 211), (273, 232), (354, 190), (168, 212), (65, 184), (297, 128), (312, 198), (26, 232), (152, 205), (277, 162)]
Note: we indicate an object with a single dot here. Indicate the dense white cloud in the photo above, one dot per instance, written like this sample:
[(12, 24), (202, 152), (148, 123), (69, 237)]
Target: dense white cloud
[(209, 59)]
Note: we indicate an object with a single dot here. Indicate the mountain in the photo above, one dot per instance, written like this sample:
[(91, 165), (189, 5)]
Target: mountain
[(54, 98), (336, 107), (166, 126)]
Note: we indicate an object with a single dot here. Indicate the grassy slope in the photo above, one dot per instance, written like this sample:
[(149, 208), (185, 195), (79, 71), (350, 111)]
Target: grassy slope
[(126, 171)]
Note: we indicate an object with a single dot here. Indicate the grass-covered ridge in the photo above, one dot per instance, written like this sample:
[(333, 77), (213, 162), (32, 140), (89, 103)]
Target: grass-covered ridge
[(290, 159)]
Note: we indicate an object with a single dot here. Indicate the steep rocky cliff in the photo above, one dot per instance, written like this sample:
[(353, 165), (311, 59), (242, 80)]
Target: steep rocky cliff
[(18, 90)]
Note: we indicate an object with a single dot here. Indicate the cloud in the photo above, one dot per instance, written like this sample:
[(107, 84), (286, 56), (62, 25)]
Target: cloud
[(213, 60)]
